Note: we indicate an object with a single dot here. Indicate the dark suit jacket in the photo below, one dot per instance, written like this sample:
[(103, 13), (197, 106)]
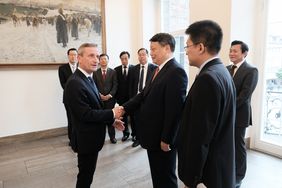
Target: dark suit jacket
[(88, 118), (160, 105), (134, 81), (245, 80), (64, 73), (122, 94), (206, 135), (108, 86)]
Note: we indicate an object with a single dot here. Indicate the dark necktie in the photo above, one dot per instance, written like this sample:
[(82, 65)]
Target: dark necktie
[(93, 86), (140, 87), (124, 72), (104, 74), (155, 74), (233, 70)]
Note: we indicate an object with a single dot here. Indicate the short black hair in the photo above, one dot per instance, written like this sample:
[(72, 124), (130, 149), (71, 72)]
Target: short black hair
[(102, 55), (143, 49), (207, 32), (244, 46), (71, 49), (124, 52), (164, 39)]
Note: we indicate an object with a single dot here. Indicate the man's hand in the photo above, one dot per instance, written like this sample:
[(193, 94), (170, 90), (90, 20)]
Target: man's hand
[(165, 147), (119, 125), (105, 97), (118, 112)]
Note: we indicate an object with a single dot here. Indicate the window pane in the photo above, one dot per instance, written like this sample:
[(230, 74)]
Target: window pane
[(272, 131), (174, 15)]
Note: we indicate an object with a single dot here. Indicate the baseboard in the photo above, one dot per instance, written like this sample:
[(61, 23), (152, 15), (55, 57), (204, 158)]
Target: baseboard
[(33, 136)]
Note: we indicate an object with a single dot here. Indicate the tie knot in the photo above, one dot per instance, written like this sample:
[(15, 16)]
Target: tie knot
[(90, 79), (124, 67), (142, 66), (234, 66)]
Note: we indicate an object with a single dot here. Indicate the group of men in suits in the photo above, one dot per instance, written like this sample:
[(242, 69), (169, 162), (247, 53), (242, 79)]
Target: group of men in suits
[(207, 127), (121, 84)]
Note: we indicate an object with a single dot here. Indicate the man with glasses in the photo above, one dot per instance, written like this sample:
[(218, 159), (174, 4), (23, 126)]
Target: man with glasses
[(206, 133)]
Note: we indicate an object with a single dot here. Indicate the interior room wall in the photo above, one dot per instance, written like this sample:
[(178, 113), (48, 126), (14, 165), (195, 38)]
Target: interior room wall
[(31, 100)]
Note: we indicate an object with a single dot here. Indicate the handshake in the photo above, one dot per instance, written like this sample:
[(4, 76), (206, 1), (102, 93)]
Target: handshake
[(118, 113)]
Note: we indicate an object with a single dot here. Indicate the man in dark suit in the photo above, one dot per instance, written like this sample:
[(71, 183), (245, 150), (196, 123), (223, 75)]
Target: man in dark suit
[(65, 71), (141, 76), (206, 134), (88, 116), (123, 76), (159, 107), (106, 81), (245, 78)]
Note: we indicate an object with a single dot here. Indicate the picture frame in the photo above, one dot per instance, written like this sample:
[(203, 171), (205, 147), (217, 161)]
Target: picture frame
[(39, 32)]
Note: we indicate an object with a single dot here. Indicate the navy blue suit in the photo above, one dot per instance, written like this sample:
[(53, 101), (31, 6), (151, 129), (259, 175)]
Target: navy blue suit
[(89, 124)]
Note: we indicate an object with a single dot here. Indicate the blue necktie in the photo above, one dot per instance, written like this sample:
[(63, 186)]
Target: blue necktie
[(94, 86)]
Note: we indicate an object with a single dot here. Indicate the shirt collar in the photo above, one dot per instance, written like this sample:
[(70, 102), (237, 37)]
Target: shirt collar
[(84, 72), (208, 60), (163, 64), (239, 64)]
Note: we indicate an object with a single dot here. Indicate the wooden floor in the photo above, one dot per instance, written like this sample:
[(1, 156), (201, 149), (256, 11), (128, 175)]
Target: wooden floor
[(50, 163)]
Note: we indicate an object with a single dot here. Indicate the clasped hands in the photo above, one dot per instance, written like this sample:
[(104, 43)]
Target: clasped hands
[(118, 113), (105, 97)]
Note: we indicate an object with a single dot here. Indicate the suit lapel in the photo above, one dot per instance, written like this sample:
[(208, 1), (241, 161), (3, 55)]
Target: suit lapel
[(158, 77), (240, 70), (92, 87)]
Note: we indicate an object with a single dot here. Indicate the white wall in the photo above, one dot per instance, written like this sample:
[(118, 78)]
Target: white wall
[(31, 100)]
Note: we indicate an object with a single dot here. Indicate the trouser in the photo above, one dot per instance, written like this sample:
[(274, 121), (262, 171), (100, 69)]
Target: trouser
[(163, 166), (240, 153), (86, 169)]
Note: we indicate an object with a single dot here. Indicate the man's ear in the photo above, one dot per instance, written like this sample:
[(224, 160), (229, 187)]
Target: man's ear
[(202, 47), (245, 54)]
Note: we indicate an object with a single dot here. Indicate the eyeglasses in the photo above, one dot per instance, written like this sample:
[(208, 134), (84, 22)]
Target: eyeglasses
[(188, 46)]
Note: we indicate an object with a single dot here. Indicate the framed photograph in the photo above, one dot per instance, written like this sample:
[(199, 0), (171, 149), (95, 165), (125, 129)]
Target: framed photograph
[(39, 32)]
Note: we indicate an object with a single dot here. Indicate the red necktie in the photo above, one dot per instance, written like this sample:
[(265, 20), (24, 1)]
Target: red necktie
[(155, 74), (104, 74)]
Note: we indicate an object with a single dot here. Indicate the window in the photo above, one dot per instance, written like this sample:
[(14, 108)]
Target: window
[(175, 19)]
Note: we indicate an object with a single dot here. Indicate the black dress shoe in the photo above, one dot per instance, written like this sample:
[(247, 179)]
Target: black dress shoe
[(113, 140), (124, 138), (135, 143)]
